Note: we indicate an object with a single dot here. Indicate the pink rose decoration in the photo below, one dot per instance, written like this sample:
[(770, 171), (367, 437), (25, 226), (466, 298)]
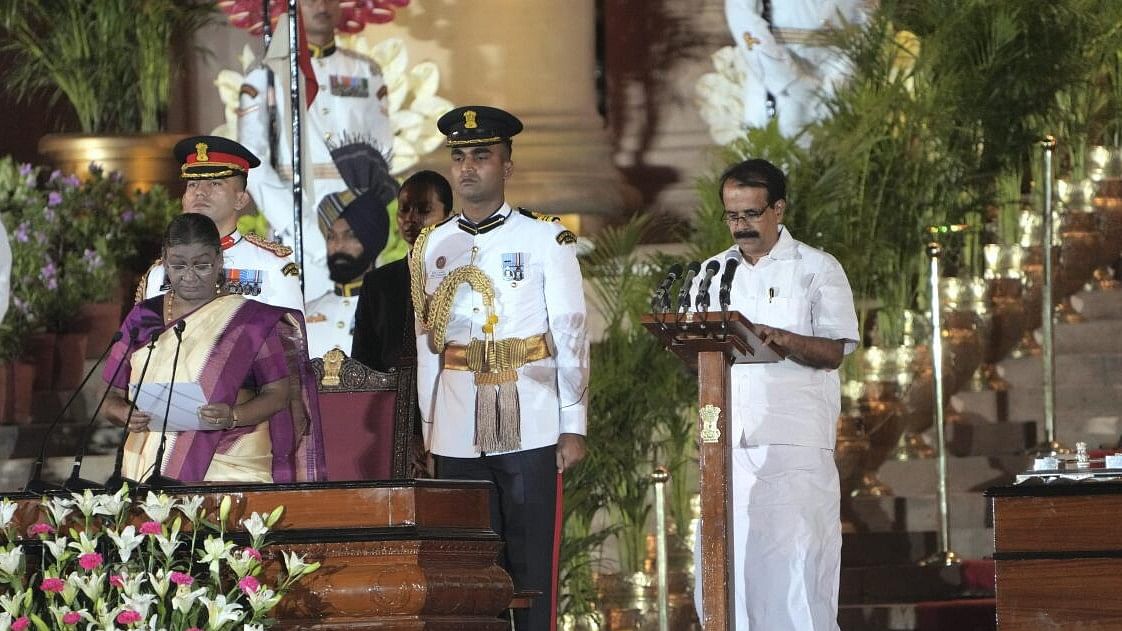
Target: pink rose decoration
[(249, 585), (253, 552), (181, 578), (39, 528), (151, 528), (116, 580), (128, 616), (55, 585), (20, 624), (90, 561), (71, 617)]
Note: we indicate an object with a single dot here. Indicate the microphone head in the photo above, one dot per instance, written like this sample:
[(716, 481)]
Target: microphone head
[(674, 272), (152, 338), (712, 267), (182, 324), (693, 268), (118, 335), (730, 270)]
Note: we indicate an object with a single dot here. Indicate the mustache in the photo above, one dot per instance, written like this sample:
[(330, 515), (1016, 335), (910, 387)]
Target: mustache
[(746, 234)]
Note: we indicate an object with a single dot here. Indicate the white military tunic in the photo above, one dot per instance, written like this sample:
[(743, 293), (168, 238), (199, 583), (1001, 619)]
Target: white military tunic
[(331, 320), (786, 524), (533, 267), (350, 104), (260, 272)]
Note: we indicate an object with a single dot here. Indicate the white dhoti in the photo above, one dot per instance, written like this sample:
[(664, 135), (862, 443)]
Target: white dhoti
[(786, 533)]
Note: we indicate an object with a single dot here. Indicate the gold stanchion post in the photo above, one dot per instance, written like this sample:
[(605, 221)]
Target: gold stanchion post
[(661, 476), (1050, 446)]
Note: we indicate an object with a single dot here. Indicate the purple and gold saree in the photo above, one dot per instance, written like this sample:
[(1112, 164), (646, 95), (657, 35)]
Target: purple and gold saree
[(229, 345)]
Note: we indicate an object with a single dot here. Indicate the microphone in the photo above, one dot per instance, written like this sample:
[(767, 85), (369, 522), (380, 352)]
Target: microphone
[(726, 283), (75, 483), (116, 481), (661, 293), (156, 479), (702, 299), (684, 293), (35, 483)]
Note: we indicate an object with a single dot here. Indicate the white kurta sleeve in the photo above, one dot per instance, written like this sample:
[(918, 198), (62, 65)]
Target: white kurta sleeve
[(832, 311), (568, 327)]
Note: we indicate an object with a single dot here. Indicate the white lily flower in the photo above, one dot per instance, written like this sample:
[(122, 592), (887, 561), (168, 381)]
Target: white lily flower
[(7, 512), (86, 503), (253, 627), (157, 507), (263, 600), (10, 560), (160, 581), (255, 525), (296, 565), (215, 550), (112, 505), (184, 599), (12, 603), (126, 541), (190, 507), (84, 544), (219, 612), (140, 603), (90, 584), (132, 584), (242, 563), (168, 545), (58, 508), (57, 547)]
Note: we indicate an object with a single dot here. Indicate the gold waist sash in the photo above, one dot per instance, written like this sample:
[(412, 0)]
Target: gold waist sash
[(510, 354)]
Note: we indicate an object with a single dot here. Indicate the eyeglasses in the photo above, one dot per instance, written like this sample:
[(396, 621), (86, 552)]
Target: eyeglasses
[(199, 269), (751, 214)]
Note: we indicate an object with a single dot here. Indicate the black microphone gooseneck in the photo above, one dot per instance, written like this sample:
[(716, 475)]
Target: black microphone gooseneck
[(116, 481), (724, 295), (74, 482), (156, 479), (661, 293), (702, 299), (684, 293), (35, 483)]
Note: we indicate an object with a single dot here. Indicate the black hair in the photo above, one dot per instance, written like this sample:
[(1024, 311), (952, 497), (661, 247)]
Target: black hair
[(192, 229), (757, 173), (431, 180), (509, 144)]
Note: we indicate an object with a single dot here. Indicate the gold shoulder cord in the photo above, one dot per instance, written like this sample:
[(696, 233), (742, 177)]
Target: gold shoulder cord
[(417, 277), (440, 308)]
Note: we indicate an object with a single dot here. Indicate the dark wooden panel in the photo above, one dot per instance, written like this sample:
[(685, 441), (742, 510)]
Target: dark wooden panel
[(1081, 594), (1067, 523)]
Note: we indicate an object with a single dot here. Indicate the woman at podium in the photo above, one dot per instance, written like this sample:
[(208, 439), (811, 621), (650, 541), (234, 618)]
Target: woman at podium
[(230, 375)]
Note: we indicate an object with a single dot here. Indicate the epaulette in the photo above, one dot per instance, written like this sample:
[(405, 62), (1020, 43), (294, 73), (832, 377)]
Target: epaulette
[(265, 244), (142, 286), (539, 216)]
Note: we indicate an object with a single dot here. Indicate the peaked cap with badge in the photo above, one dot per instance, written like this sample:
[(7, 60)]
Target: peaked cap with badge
[(212, 157), (478, 126)]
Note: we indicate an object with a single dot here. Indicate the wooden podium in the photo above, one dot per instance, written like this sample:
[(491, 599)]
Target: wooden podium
[(396, 555), (710, 343)]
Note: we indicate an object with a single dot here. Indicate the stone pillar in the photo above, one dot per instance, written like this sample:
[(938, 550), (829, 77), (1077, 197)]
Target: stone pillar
[(535, 58)]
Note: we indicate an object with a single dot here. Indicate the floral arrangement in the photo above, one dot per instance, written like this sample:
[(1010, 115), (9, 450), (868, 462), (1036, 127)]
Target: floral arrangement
[(69, 238), (178, 570), (250, 14)]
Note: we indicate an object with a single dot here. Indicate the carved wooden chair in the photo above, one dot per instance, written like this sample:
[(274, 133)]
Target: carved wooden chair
[(367, 416)]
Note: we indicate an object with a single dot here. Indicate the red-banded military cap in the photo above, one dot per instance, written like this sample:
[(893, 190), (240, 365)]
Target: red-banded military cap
[(212, 157), (478, 126)]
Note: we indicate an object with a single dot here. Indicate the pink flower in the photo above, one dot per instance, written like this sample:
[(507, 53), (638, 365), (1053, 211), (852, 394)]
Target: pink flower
[(55, 585), (253, 552), (249, 584), (39, 528), (71, 617), (116, 580), (20, 624), (90, 561), (151, 528), (128, 616), (180, 578)]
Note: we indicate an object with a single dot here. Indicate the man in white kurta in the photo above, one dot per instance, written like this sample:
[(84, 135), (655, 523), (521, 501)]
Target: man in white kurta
[(785, 492), (502, 350), (253, 267), (350, 105)]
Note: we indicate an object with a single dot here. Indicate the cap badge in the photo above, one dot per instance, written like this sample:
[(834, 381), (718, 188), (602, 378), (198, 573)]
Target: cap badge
[(469, 120), (200, 152)]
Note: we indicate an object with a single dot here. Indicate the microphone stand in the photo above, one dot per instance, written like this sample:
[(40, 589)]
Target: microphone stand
[(116, 481), (156, 480), (75, 483), (35, 483)]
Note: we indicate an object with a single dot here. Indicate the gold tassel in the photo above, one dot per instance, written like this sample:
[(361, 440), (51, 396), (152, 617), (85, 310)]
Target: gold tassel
[(486, 413), (510, 425), (497, 418)]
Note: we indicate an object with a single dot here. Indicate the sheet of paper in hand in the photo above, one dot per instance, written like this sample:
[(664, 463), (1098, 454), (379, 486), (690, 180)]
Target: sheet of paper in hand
[(183, 415)]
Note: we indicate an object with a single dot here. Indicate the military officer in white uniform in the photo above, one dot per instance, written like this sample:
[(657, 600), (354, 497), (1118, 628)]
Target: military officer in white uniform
[(355, 239), (502, 350), (215, 169), (348, 105)]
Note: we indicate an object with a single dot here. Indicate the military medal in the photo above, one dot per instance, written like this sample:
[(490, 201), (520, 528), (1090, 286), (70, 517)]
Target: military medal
[(512, 266)]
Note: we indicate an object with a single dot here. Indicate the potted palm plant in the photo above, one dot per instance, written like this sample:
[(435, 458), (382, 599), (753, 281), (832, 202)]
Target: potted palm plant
[(113, 62)]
